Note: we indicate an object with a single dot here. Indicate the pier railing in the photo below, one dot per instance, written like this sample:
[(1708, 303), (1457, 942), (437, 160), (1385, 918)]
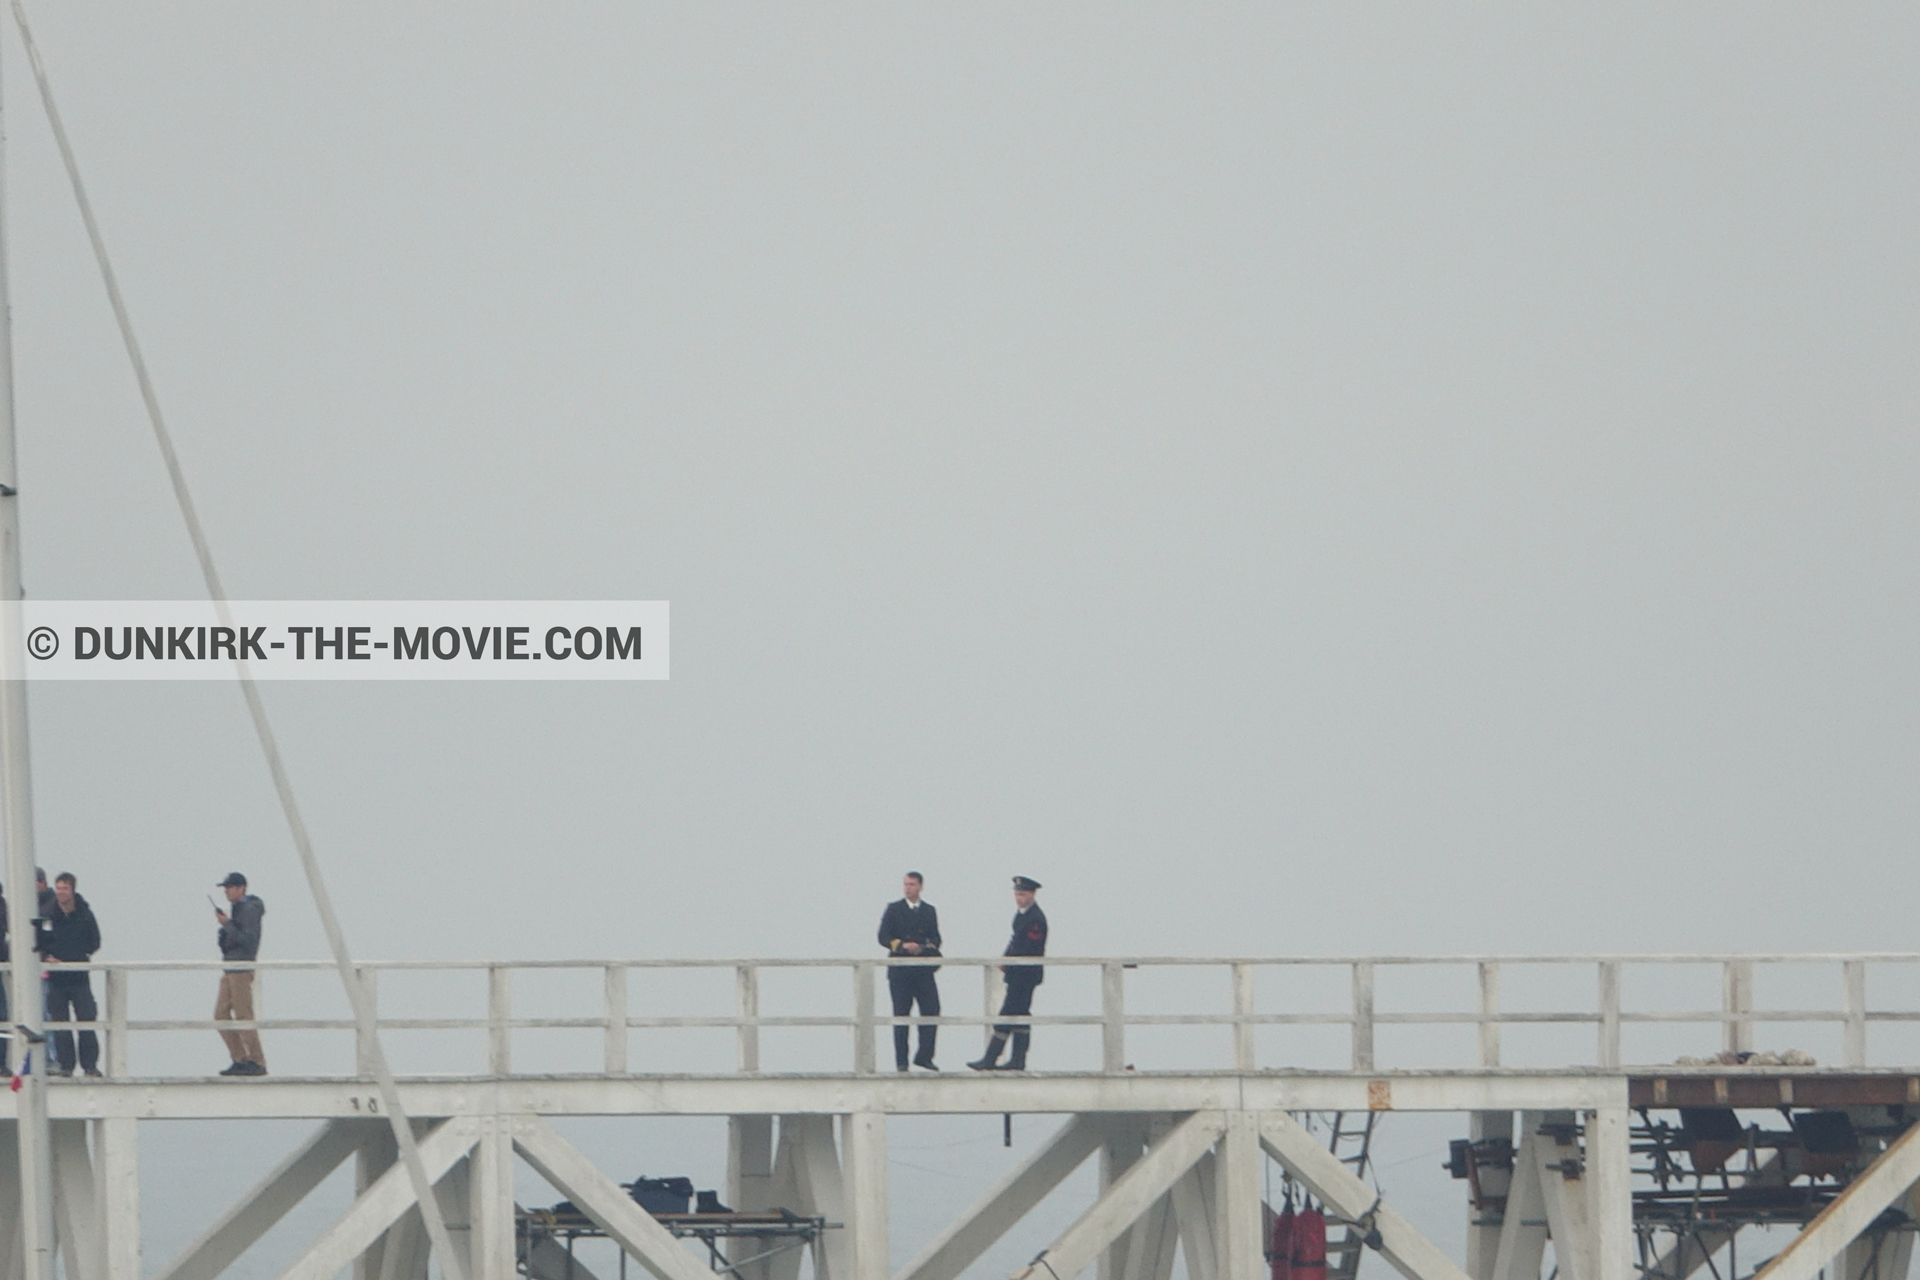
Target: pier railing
[(1247, 996)]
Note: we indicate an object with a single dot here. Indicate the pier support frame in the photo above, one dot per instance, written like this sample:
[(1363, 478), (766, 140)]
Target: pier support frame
[(1171, 1180), (1483, 1226)]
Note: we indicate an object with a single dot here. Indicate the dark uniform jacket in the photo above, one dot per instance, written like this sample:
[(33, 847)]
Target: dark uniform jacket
[(902, 923), (69, 935), (47, 903), (240, 935), (1029, 939)]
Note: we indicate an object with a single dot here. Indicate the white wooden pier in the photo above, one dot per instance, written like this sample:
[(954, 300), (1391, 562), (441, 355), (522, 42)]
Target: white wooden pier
[(1182, 1150)]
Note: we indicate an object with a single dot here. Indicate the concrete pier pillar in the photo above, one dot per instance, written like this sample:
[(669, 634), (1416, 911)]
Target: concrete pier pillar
[(863, 1146), (1610, 1184), (1483, 1227), (1240, 1251), (750, 1182), (1125, 1141), (117, 1146), (490, 1201)]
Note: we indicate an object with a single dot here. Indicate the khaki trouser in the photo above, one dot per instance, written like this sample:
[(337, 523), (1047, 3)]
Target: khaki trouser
[(235, 1004)]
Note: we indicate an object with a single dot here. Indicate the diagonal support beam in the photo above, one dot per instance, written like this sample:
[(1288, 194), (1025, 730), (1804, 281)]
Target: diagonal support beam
[(270, 1199), (1853, 1211), (1410, 1253), (1136, 1191), (1569, 1224), (961, 1244), (405, 1248), (603, 1200), (1523, 1230), (1193, 1199), (808, 1179), (383, 1204), (790, 1187)]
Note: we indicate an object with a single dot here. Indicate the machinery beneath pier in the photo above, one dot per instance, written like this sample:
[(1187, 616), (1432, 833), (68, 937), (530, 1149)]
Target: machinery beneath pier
[(1712, 1157)]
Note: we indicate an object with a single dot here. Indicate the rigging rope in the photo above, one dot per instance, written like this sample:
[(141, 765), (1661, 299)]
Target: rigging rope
[(451, 1265)]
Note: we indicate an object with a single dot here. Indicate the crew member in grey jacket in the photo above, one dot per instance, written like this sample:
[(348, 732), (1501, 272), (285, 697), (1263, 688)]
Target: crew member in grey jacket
[(239, 940)]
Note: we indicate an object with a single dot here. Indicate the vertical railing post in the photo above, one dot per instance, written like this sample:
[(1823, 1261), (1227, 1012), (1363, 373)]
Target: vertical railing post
[(1609, 1015), (363, 1046), (116, 996), (499, 1014), (1853, 1039), (1362, 1015), (1489, 1013), (1737, 982), (863, 1037), (616, 1015), (1242, 1011), (746, 980), (1113, 1016)]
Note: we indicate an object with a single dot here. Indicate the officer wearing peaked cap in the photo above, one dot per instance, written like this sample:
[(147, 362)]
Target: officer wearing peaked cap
[(1029, 939)]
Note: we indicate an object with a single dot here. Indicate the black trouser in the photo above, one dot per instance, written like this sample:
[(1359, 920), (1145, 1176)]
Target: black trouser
[(70, 999), (908, 984), (1019, 1002)]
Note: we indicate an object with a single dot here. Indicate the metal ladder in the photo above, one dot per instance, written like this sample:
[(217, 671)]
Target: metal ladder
[(1352, 1147)]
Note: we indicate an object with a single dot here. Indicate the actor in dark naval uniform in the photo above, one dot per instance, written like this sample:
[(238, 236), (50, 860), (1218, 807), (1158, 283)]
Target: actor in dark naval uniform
[(911, 927), (1029, 939)]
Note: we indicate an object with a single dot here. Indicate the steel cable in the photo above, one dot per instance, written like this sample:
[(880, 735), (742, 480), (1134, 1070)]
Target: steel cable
[(429, 1204)]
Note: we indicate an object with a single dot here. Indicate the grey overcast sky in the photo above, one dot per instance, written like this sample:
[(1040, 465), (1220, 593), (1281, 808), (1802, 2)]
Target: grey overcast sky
[(1293, 479)]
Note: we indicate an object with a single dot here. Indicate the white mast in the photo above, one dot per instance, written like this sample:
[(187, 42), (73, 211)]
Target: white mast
[(27, 1008)]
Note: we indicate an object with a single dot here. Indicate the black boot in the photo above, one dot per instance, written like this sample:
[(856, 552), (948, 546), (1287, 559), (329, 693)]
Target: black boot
[(1018, 1062), (924, 1058), (992, 1055)]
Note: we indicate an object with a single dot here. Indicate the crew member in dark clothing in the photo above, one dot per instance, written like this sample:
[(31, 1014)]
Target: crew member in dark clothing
[(69, 933), (6, 950), (239, 939), (44, 913), (1029, 939), (911, 927), (6, 955)]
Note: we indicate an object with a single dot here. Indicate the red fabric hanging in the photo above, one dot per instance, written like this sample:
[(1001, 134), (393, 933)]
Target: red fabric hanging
[(1309, 1245), (1280, 1256)]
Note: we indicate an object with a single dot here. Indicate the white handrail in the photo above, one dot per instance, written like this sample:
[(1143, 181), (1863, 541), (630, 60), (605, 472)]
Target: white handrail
[(1155, 961), (1366, 1010)]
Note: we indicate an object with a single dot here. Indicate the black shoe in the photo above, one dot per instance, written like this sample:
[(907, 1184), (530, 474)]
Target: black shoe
[(900, 1067), (983, 1064), (95, 1073), (925, 1062), (57, 1069), (252, 1069), (235, 1069)]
